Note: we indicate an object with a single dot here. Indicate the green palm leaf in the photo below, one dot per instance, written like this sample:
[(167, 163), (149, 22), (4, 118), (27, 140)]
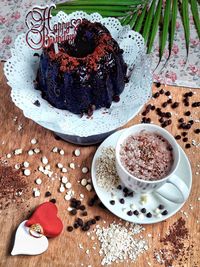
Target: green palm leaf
[(133, 20), (148, 21), (195, 14), (155, 24), (140, 20), (186, 25)]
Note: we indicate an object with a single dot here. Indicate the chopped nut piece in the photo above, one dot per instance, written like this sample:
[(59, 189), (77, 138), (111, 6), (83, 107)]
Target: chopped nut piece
[(62, 152), (36, 193), (55, 150), (38, 181), (33, 141), (17, 166), (26, 164), (59, 165), (62, 189), (30, 152), (77, 152), (84, 170), (44, 160), (68, 185), (18, 151), (27, 172), (64, 170), (64, 179), (83, 182), (37, 150), (72, 165), (89, 187)]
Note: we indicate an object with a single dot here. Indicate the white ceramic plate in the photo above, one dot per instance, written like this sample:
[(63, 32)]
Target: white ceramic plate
[(153, 199)]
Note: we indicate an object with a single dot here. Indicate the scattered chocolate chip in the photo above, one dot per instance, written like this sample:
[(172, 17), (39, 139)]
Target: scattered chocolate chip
[(185, 139), (161, 120), (161, 91), (97, 218), (197, 131), (47, 194), (73, 212), (187, 145), (122, 201), (84, 213), (153, 107), (76, 225), (181, 120), (91, 202), (79, 222), (69, 228), (37, 103), (156, 95), (85, 228), (184, 134), (112, 202), (167, 93), (190, 94), (144, 113), (136, 212), (158, 84), (119, 187), (143, 210), (168, 114), (93, 221), (191, 122), (175, 105), (82, 207), (161, 207), (53, 200), (129, 213), (165, 212), (130, 194), (149, 215), (125, 190), (169, 101), (164, 104), (186, 103), (187, 113), (195, 104)]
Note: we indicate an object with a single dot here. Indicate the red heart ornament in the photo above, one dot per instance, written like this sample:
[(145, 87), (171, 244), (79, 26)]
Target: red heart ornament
[(46, 215)]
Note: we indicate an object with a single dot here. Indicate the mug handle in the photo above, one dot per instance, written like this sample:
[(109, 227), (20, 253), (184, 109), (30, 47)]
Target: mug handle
[(180, 186)]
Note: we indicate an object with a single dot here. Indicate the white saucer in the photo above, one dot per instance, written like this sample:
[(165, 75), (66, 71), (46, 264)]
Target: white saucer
[(153, 199)]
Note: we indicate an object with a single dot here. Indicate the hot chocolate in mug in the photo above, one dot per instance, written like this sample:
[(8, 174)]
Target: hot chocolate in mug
[(142, 186)]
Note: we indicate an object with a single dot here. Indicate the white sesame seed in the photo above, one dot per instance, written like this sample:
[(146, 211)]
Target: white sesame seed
[(41, 168), (72, 165), (44, 160), (38, 181), (82, 196), (89, 187), (64, 179), (77, 152), (68, 185), (30, 152), (27, 172), (33, 141), (83, 182), (26, 164), (8, 156), (62, 152), (157, 210), (84, 170), (59, 165), (69, 208), (64, 170)]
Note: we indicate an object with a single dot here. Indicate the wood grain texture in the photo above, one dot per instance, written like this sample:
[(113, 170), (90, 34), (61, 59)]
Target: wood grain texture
[(64, 250)]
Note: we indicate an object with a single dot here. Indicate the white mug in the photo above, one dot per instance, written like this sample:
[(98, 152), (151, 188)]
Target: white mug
[(143, 186)]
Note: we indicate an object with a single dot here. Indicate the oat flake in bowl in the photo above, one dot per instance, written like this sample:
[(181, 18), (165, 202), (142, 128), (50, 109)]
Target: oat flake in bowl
[(147, 156)]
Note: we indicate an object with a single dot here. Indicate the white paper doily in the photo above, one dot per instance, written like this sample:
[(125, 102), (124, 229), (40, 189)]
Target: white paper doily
[(21, 70)]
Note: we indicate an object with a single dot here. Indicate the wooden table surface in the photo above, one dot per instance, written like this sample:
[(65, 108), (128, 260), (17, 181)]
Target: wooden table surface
[(64, 250)]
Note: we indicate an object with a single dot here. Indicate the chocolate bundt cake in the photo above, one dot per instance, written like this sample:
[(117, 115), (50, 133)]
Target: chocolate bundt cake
[(86, 75)]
